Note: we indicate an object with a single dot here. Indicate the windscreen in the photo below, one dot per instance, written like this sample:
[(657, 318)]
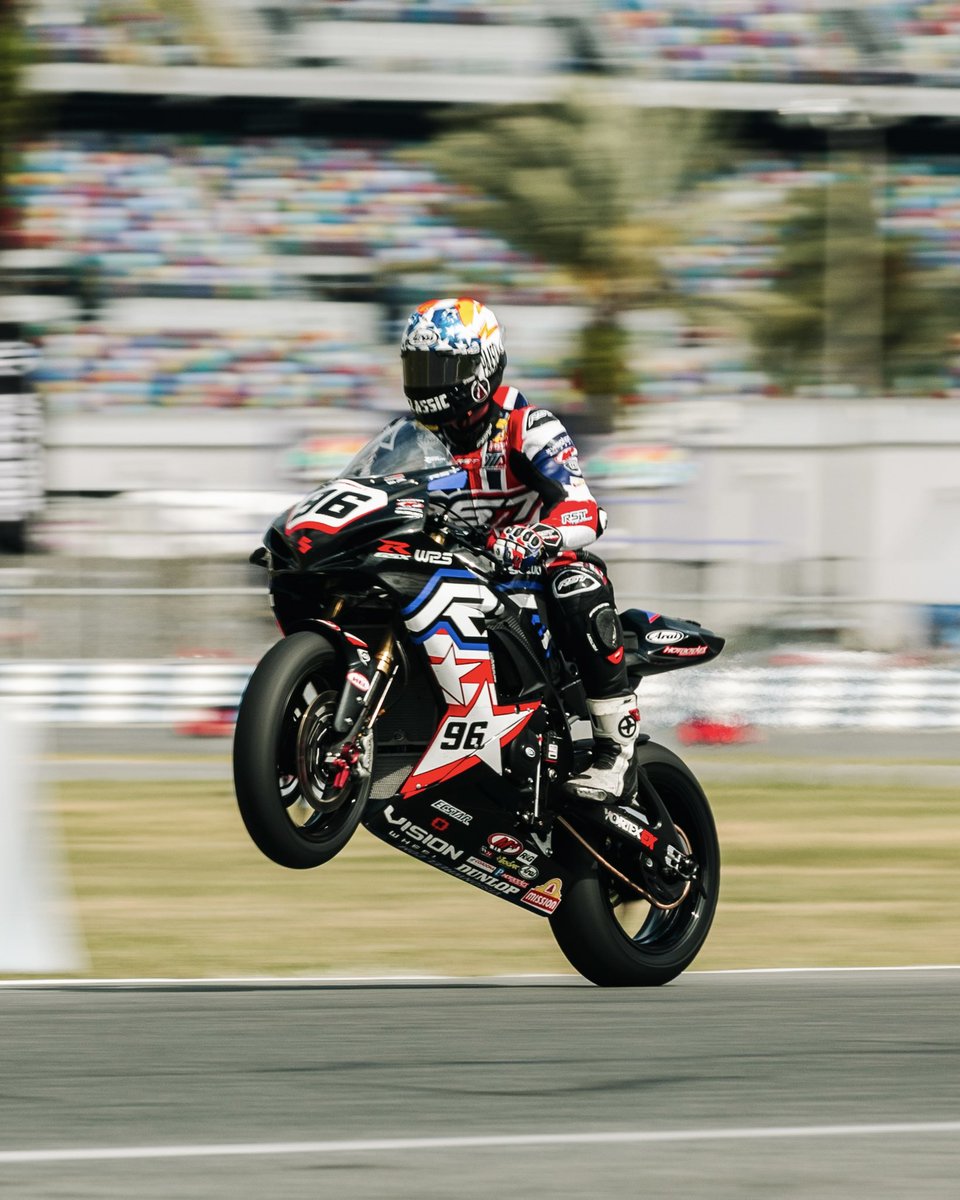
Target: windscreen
[(404, 447)]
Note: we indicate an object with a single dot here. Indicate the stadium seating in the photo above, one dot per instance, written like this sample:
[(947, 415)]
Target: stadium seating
[(238, 219), (132, 31), (774, 40), (95, 367), (269, 218), (255, 219)]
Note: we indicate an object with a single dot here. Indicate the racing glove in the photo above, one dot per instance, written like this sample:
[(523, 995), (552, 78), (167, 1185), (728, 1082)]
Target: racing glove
[(517, 547)]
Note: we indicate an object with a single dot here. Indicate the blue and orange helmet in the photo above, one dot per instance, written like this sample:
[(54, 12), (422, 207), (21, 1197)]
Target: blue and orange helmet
[(453, 359)]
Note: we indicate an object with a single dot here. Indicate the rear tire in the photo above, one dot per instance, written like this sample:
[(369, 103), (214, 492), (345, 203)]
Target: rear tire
[(284, 730), (629, 943)]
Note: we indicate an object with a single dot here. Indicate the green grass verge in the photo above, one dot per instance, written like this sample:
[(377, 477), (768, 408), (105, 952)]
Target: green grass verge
[(166, 882)]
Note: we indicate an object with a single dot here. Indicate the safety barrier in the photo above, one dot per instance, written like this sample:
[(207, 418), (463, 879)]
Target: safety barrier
[(180, 692)]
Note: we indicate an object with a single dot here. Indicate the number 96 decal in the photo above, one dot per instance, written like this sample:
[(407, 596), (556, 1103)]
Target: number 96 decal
[(335, 506)]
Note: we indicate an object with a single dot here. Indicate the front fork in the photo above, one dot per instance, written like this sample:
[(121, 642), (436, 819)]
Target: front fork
[(342, 761)]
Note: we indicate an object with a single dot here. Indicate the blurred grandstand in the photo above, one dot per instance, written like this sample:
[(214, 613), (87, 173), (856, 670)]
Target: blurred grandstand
[(295, 219), (778, 40), (229, 212)]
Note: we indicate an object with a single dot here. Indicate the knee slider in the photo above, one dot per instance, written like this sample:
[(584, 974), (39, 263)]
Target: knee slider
[(604, 631)]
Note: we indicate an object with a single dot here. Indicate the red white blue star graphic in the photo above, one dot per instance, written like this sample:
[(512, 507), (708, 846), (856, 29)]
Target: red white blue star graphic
[(474, 728)]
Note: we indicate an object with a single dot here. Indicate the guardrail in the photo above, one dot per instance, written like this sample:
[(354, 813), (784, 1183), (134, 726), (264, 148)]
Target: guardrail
[(146, 692), (180, 692)]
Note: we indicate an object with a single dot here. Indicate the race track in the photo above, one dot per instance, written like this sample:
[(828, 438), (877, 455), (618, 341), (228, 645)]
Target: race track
[(834, 1085)]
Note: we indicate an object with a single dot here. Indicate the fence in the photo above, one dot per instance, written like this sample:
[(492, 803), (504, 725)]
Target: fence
[(176, 655), (182, 692)]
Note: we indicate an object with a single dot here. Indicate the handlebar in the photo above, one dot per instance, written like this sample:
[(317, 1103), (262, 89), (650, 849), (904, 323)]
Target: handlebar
[(473, 537), (476, 540)]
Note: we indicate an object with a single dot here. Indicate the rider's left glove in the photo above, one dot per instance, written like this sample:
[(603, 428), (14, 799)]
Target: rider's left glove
[(518, 547)]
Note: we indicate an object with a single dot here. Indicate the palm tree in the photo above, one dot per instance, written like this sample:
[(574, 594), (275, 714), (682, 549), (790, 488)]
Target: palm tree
[(587, 187), (848, 306)]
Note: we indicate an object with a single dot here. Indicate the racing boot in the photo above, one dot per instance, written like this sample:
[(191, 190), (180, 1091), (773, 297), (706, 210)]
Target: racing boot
[(612, 778)]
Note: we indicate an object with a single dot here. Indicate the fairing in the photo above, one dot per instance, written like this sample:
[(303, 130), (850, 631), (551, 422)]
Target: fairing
[(381, 495), (403, 447), (655, 643), (492, 696)]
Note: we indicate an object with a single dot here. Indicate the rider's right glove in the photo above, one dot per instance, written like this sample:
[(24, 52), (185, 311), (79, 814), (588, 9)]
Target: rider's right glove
[(518, 547)]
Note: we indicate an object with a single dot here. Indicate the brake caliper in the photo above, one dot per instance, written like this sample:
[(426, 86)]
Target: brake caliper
[(341, 764)]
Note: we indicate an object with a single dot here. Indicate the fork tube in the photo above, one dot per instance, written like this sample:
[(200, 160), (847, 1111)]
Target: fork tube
[(385, 671), (384, 656)]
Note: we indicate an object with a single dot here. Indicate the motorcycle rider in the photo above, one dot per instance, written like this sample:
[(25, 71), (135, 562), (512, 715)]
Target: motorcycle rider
[(525, 484)]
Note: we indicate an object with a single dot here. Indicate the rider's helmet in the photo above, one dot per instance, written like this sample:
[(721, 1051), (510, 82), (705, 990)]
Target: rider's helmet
[(453, 360)]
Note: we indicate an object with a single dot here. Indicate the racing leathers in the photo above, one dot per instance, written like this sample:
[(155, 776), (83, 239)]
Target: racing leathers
[(525, 485)]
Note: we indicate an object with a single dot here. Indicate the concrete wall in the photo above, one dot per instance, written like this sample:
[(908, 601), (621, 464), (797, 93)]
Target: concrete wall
[(855, 503), (799, 515), (203, 449)]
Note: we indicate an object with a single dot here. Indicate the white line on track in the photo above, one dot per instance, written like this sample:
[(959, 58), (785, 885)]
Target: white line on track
[(824, 970), (493, 1141), (290, 981), (295, 981)]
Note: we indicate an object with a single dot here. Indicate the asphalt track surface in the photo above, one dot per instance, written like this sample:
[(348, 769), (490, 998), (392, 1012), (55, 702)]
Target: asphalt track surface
[(838, 1085)]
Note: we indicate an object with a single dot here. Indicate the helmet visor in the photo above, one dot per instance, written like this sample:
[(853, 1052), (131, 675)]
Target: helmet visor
[(427, 373)]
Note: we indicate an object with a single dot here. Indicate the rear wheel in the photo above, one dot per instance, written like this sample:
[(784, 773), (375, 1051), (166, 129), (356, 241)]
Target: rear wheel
[(283, 737), (607, 931)]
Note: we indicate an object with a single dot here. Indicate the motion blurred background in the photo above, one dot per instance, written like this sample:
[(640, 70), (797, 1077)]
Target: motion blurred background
[(722, 238)]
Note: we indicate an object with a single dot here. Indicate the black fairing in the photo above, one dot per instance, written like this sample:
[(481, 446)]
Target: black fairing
[(304, 548), (655, 643), (369, 550), (387, 550)]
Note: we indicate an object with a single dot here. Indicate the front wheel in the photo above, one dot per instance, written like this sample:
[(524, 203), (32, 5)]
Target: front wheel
[(612, 936), (283, 736)]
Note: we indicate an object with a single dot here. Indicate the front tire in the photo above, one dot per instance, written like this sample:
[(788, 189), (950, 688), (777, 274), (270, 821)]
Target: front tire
[(618, 941), (284, 731)]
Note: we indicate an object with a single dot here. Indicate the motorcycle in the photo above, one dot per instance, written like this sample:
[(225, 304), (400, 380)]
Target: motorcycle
[(343, 722)]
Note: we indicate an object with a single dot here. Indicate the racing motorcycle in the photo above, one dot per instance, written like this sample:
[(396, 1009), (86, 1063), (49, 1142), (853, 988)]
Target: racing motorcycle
[(343, 722)]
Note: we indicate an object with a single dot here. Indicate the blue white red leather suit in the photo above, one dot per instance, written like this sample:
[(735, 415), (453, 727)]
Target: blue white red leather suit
[(526, 472)]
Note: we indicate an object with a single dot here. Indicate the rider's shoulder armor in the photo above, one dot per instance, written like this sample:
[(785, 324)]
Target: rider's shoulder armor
[(510, 398)]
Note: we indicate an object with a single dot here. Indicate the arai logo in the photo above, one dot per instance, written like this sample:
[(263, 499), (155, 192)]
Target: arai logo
[(659, 636)]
